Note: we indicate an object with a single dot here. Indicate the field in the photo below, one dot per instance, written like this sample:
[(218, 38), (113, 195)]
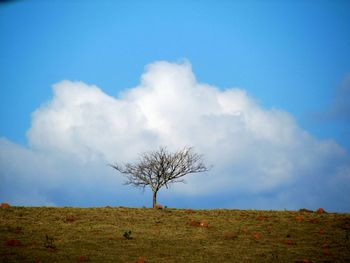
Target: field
[(47, 234)]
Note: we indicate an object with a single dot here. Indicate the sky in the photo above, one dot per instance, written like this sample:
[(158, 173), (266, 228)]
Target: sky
[(260, 88)]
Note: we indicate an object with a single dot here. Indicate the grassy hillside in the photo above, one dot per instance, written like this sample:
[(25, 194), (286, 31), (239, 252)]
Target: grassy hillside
[(46, 234)]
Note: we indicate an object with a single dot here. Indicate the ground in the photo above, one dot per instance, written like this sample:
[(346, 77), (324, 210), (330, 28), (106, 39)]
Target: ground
[(48, 234)]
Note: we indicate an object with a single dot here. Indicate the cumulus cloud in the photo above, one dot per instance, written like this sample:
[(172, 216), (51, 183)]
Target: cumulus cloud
[(260, 157)]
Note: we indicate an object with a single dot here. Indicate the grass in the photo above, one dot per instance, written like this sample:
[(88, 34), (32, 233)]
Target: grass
[(47, 234)]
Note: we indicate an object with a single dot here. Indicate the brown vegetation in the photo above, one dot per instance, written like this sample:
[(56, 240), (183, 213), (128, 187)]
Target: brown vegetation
[(46, 234)]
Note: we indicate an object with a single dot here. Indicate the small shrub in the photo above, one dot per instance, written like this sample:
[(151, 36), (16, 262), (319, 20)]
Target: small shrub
[(127, 235), (49, 242), (304, 210), (15, 230)]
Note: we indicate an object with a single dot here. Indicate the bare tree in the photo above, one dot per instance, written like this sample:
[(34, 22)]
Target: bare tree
[(161, 168)]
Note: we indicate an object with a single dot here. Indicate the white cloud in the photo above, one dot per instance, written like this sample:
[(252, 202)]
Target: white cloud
[(256, 152)]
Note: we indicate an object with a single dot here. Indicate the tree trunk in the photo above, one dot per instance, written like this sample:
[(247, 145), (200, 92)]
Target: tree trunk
[(154, 198)]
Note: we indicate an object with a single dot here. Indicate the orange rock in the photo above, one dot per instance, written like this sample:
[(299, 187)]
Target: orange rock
[(204, 224), (262, 218), (320, 211), (191, 211), (257, 235), (299, 218), (289, 242), (158, 206), (140, 260), (194, 223), (307, 260), (5, 205)]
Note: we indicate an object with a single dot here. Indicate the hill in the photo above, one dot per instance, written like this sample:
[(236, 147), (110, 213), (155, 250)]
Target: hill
[(48, 234)]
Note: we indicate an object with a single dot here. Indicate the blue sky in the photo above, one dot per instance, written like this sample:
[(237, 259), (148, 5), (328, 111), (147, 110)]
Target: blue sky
[(288, 55)]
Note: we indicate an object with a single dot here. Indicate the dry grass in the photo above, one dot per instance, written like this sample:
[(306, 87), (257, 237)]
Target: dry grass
[(171, 235)]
